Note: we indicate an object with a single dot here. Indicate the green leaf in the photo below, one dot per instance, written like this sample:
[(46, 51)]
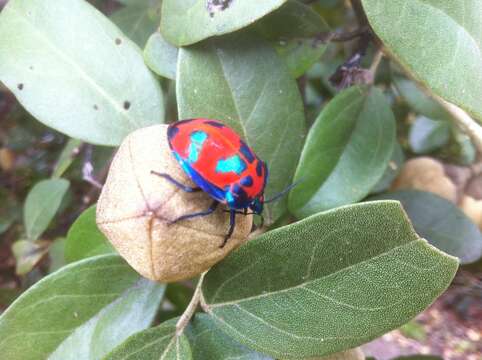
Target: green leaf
[(438, 42), (84, 238), (41, 205), (441, 223), (160, 56), (28, 254), (208, 342), (190, 21), (293, 30), (73, 70), (346, 152), (179, 295), (56, 254), (427, 135), (393, 169), (358, 270), (90, 306), (138, 21), (418, 101), (156, 343), (66, 158), (240, 80)]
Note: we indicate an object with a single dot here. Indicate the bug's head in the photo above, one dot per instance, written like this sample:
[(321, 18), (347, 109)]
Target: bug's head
[(257, 205)]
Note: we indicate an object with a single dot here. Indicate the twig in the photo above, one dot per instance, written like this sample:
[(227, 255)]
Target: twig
[(191, 308), (464, 121), (377, 58)]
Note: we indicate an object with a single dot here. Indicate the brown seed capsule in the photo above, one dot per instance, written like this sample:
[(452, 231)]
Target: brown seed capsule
[(135, 209), (426, 174)]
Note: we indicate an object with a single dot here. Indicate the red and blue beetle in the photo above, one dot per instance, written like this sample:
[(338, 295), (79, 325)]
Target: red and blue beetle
[(221, 164)]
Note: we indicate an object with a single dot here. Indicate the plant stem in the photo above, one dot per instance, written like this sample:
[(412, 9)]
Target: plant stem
[(377, 58), (464, 121), (191, 308)]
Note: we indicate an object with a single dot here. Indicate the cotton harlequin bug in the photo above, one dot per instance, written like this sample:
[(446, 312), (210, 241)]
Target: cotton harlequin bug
[(221, 164)]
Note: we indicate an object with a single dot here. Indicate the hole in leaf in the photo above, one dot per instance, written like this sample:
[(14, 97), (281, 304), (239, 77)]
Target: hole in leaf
[(127, 105), (96, 107), (118, 41), (20, 86)]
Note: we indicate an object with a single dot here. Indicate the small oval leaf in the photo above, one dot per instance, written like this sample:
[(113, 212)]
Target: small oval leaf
[(160, 56), (84, 238), (346, 152), (42, 204)]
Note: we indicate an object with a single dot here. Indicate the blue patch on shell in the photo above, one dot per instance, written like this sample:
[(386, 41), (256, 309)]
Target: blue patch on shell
[(232, 164), (197, 140)]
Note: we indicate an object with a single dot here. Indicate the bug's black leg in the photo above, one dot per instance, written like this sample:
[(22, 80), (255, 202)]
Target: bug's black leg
[(175, 182), (232, 222), (211, 209), (245, 212)]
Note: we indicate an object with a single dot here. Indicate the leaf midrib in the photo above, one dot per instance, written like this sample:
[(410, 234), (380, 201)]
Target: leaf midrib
[(266, 294)]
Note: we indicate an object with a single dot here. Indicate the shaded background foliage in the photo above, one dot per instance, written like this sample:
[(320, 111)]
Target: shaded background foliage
[(278, 81)]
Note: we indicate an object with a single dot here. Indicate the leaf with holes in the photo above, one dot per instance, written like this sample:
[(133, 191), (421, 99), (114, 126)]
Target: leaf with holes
[(90, 84), (158, 343), (209, 342), (90, 306), (84, 238), (438, 42), (208, 18), (346, 152), (41, 204), (239, 80), (359, 270)]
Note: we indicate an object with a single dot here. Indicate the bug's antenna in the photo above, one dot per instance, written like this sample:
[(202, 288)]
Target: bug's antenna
[(282, 193)]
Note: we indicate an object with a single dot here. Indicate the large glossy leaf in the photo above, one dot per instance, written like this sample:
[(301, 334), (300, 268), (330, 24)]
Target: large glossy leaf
[(160, 56), (79, 312), (189, 21), (159, 343), (441, 223), (208, 342), (75, 71), (84, 238), (41, 204), (293, 30), (346, 152), (240, 80), (330, 282), (438, 41), (138, 21)]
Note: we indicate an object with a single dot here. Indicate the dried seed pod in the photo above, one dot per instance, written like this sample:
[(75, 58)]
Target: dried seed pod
[(426, 174), (135, 209)]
